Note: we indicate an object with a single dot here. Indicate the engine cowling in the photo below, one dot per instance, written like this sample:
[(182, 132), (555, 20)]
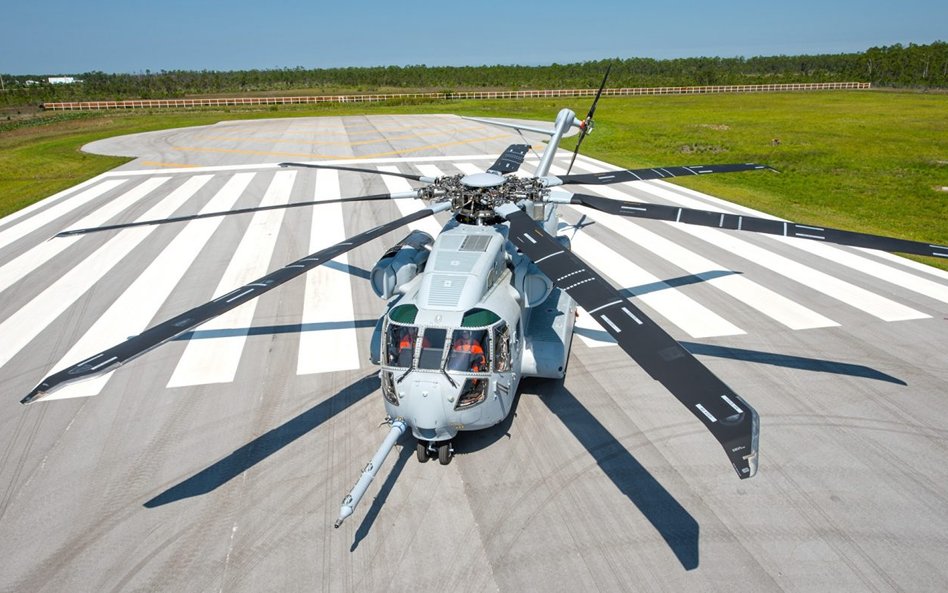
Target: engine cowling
[(402, 262)]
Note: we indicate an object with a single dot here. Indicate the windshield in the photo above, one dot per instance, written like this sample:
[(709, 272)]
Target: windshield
[(469, 350), (432, 348), (400, 345)]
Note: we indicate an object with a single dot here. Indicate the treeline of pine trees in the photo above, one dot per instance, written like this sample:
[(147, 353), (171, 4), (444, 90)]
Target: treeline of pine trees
[(914, 66)]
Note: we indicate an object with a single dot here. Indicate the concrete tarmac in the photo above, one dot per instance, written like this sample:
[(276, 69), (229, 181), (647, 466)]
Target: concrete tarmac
[(600, 482)]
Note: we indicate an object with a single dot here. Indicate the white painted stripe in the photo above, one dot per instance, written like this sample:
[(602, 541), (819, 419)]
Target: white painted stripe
[(430, 171), (768, 302), (875, 269), (590, 332), (9, 219), (406, 207), (328, 295), (131, 313), (24, 325), (42, 253), (469, 168), (216, 359), (22, 229), (850, 294), (695, 319), (908, 263)]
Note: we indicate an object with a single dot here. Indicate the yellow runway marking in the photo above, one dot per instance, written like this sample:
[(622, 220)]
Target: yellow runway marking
[(327, 156), (334, 142)]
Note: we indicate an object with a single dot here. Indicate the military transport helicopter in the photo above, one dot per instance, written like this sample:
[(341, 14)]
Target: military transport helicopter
[(493, 300)]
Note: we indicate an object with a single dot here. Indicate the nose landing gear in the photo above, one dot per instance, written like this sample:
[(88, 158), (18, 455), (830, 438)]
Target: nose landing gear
[(425, 450)]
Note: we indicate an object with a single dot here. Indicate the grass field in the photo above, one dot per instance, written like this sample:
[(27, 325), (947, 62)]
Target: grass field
[(869, 161)]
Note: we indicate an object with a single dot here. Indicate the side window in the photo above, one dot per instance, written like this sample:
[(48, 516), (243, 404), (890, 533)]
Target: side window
[(469, 351), (400, 345), (501, 348), (432, 347)]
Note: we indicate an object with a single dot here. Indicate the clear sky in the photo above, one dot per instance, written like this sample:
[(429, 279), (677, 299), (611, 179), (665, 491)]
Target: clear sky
[(63, 37)]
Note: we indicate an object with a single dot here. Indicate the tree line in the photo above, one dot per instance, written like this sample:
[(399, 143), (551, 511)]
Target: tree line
[(915, 66)]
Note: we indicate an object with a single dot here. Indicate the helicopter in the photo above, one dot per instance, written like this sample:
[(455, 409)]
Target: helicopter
[(494, 297)]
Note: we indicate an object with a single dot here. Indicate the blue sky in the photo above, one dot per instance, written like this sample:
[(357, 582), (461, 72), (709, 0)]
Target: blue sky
[(56, 36)]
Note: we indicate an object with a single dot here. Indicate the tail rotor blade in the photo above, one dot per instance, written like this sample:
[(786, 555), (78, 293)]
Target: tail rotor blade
[(588, 122)]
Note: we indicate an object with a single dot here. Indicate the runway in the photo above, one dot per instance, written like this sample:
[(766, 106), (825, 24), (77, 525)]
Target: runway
[(217, 462)]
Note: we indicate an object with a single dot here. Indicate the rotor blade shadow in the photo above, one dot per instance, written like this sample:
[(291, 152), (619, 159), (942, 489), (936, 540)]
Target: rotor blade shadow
[(291, 328), (672, 521), (266, 444), (348, 269), (793, 362), (379, 500), (675, 282)]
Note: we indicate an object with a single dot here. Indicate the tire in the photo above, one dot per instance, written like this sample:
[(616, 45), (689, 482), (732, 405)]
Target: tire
[(444, 453), (421, 452)]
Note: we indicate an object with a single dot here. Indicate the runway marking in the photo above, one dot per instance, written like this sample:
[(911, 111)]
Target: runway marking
[(845, 292), (873, 268), (22, 229), (8, 220), (406, 207), (689, 315), (328, 296), (413, 136), (860, 298), (28, 261), (23, 326), (134, 309), (770, 303), (334, 157), (215, 360)]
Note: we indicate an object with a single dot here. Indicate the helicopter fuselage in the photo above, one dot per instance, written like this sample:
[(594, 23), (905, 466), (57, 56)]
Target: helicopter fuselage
[(466, 326)]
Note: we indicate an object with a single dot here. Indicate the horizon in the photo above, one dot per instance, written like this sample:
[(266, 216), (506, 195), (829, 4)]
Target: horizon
[(471, 65), (132, 38)]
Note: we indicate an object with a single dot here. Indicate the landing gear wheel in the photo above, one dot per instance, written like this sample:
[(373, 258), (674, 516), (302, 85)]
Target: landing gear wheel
[(445, 453), (421, 451)]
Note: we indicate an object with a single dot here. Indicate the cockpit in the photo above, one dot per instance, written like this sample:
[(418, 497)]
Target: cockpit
[(467, 354)]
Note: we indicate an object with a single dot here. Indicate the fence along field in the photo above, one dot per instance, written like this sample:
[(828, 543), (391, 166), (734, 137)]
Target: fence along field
[(461, 95)]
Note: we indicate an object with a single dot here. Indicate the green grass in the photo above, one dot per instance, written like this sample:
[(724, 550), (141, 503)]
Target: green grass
[(867, 161)]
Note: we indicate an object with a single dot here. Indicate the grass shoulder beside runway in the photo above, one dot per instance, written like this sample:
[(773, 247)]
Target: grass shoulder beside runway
[(868, 161)]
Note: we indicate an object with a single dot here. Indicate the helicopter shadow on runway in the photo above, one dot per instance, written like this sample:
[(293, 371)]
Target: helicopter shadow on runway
[(267, 444), (676, 526)]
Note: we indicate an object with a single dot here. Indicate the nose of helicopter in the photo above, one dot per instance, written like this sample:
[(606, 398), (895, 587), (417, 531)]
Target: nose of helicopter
[(428, 407)]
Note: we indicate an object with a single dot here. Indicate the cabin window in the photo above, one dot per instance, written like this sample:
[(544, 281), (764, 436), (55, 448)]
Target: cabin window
[(400, 345), (501, 348), (432, 348), (469, 351)]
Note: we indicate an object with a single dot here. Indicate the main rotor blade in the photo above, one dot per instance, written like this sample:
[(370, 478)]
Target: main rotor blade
[(510, 160), (624, 175), (360, 170), (587, 123), (730, 419), (753, 224), (112, 227), (153, 337)]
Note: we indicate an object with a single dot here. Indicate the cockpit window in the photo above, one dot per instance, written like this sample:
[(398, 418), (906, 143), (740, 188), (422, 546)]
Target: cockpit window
[(469, 351), (400, 345), (432, 348)]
